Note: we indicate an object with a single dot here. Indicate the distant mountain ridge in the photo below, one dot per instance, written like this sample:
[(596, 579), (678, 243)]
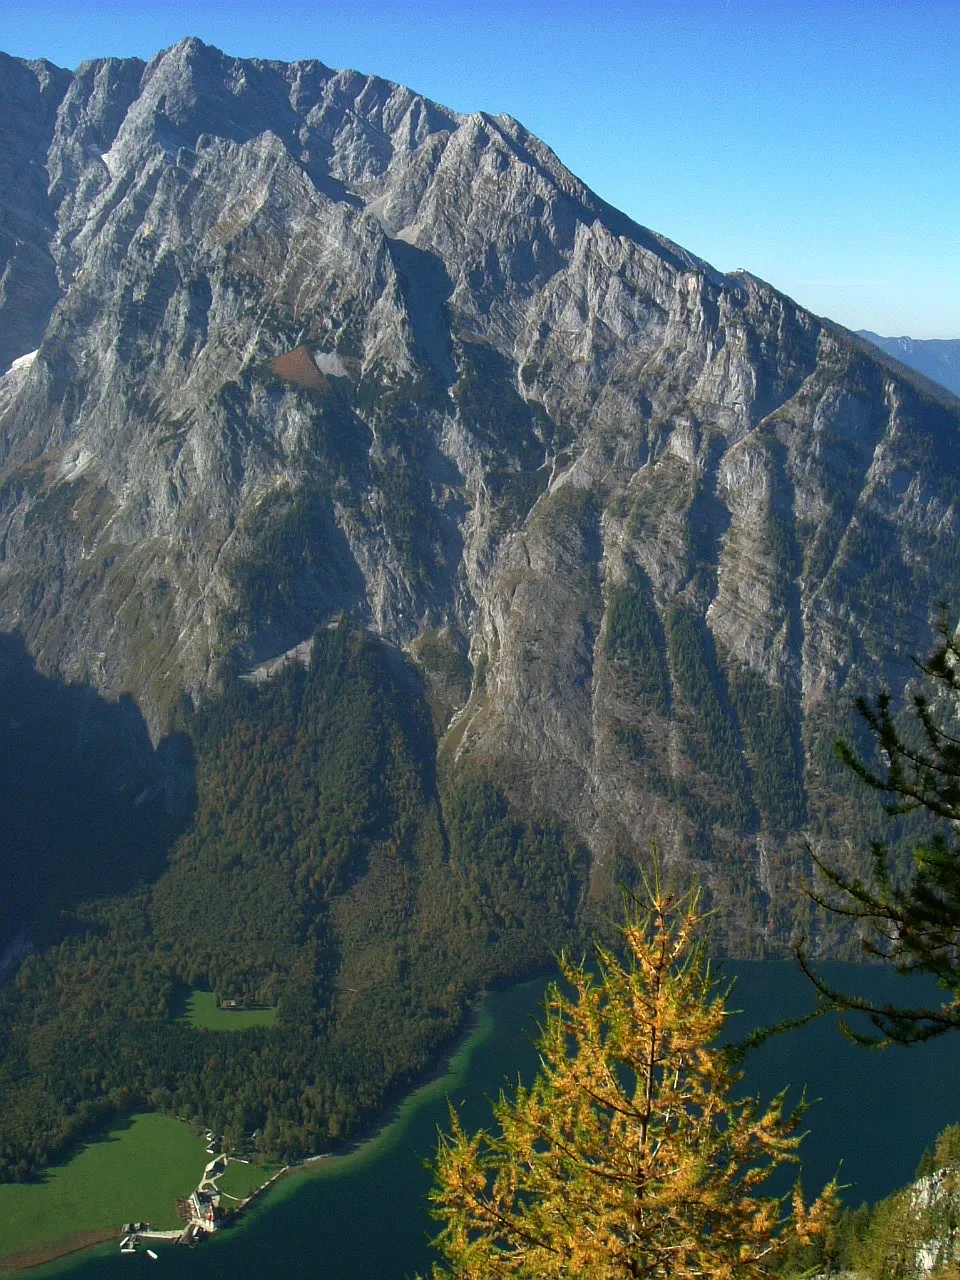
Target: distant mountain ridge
[(938, 358)]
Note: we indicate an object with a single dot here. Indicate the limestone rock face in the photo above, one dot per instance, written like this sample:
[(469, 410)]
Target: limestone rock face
[(278, 341)]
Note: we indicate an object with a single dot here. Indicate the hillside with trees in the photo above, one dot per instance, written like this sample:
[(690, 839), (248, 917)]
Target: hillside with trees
[(326, 873)]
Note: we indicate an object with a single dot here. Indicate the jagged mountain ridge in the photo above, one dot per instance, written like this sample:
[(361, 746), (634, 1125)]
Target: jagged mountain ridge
[(643, 526)]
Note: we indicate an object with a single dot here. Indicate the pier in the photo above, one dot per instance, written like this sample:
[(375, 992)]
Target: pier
[(200, 1211)]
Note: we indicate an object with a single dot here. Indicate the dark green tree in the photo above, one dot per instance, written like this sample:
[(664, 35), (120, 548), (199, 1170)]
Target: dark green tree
[(913, 922)]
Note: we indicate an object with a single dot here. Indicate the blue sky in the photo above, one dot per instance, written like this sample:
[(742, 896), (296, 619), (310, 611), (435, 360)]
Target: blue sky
[(813, 142)]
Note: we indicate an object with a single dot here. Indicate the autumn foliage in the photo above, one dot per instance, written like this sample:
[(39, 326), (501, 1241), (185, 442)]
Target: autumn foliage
[(630, 1155)]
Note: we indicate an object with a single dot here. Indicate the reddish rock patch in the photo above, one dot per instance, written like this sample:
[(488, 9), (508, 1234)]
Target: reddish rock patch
[(297, 366)]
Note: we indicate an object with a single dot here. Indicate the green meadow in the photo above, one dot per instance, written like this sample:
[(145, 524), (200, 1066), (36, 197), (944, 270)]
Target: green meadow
[(133, 1172), (239, 1180), (201, 1011), (137, 1170)]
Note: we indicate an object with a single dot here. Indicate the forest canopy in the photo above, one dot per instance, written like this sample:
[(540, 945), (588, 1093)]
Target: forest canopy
[(325, 873)]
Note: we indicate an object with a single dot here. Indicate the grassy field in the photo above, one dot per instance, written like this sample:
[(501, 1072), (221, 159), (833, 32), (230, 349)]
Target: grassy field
[(201, 1011), (240, 1179), (134, 1172)]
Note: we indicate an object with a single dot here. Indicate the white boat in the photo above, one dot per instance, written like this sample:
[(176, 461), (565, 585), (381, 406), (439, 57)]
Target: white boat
[(151, 1254)]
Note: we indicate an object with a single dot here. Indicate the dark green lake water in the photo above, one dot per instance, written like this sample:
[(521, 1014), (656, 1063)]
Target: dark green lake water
[(362, 1217)]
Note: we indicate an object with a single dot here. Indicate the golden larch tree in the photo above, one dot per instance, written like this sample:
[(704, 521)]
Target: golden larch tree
[(628, 1156)]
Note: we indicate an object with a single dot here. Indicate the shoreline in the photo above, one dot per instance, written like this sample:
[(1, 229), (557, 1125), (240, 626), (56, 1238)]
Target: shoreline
[(42, 1254), (390, 1121)]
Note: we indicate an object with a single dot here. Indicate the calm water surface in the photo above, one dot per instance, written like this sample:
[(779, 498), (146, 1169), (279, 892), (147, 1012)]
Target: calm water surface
[(363, 1217)]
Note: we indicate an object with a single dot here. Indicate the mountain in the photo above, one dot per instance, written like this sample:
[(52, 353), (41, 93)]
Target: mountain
[(286, 342), (447, 537), (937, 358)]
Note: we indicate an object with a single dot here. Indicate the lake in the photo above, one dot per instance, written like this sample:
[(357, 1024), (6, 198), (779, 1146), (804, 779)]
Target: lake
[(363, 1216)]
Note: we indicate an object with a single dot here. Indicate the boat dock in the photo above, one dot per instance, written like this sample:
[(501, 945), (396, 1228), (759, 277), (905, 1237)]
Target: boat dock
[(200, 1211)]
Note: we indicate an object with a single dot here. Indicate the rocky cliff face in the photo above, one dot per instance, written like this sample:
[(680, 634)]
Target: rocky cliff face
[(281, 341)]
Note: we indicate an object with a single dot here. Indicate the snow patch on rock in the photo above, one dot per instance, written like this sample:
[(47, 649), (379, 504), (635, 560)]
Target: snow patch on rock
[(13, 379), (329, 362), (111, 160), (23, 363)]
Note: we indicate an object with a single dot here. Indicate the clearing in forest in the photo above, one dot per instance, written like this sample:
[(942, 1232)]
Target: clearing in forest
[(240, 1180), (133, 1172), (203, 1011)]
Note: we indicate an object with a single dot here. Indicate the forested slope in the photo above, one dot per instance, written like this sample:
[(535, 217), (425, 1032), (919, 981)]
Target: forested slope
[(83, 801), (320, 874)]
